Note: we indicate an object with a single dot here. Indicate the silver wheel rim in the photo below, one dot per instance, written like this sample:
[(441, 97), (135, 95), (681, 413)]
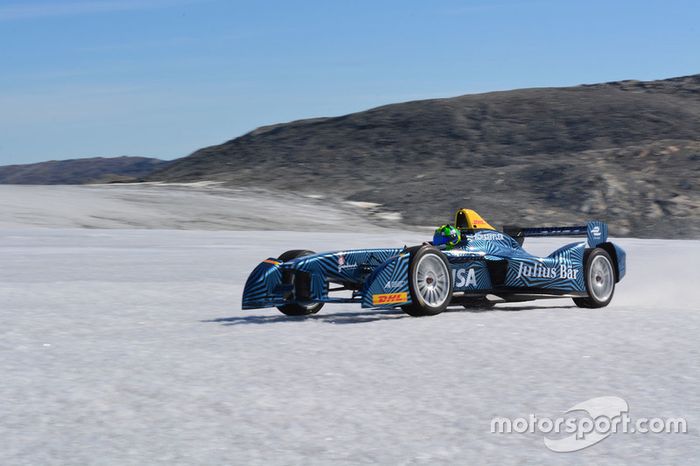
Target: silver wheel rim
[(600, 278), (432, 280)]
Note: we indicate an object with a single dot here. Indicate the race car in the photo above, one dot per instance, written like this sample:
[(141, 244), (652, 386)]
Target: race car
[(468, 263)]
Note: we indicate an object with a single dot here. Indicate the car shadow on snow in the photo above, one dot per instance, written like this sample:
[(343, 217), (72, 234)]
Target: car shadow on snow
[(530, 307), (361, 316), (331, 318)]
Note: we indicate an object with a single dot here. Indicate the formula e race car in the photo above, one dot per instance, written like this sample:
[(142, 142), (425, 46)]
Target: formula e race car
[(484, 266)]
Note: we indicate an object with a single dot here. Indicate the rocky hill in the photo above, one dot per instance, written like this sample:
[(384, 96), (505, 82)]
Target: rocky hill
[(625, 152), (80, 171)]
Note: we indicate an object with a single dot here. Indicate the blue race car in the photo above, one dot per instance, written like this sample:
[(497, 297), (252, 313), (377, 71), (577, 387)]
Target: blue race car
[(469, 263)]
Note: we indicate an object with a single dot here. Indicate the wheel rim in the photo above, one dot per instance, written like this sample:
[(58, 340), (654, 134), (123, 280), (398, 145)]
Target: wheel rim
[(600, 278), (432, 280)]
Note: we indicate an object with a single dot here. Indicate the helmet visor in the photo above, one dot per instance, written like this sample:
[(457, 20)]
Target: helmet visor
[(440, 239)]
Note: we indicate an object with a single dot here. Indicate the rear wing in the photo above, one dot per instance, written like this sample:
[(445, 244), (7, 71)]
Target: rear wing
[(596, 232)]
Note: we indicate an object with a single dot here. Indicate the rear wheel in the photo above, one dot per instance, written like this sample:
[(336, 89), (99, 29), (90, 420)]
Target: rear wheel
[(429, 281), (302, 283), (599, 276)]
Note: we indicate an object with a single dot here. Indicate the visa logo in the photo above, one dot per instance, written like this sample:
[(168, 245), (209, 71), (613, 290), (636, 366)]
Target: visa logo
[(463, 277)]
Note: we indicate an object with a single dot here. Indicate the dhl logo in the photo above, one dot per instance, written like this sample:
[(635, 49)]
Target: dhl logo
[(389, 298)]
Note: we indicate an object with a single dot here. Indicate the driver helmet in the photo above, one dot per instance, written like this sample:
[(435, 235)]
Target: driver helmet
[(447, 235)]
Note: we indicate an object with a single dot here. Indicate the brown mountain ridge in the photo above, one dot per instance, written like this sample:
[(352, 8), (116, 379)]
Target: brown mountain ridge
[(625, 152)]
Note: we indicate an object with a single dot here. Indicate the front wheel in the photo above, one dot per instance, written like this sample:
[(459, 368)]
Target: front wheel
[(599, 276), (302, 284), (429, 281)]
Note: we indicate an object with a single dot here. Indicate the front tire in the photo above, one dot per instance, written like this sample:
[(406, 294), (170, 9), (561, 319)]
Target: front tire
[(429, 282), (302, 282), (599, 276)]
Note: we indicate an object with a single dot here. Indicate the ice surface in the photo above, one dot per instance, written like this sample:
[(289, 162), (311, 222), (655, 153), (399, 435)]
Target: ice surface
[(129, 347), (194, 206)]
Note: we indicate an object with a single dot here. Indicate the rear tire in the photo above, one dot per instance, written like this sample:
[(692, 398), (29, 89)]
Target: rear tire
[(299, 309), (429, 281), (599, 276)]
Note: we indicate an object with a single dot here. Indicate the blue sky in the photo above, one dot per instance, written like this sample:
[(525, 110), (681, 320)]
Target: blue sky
[(162, 78)]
